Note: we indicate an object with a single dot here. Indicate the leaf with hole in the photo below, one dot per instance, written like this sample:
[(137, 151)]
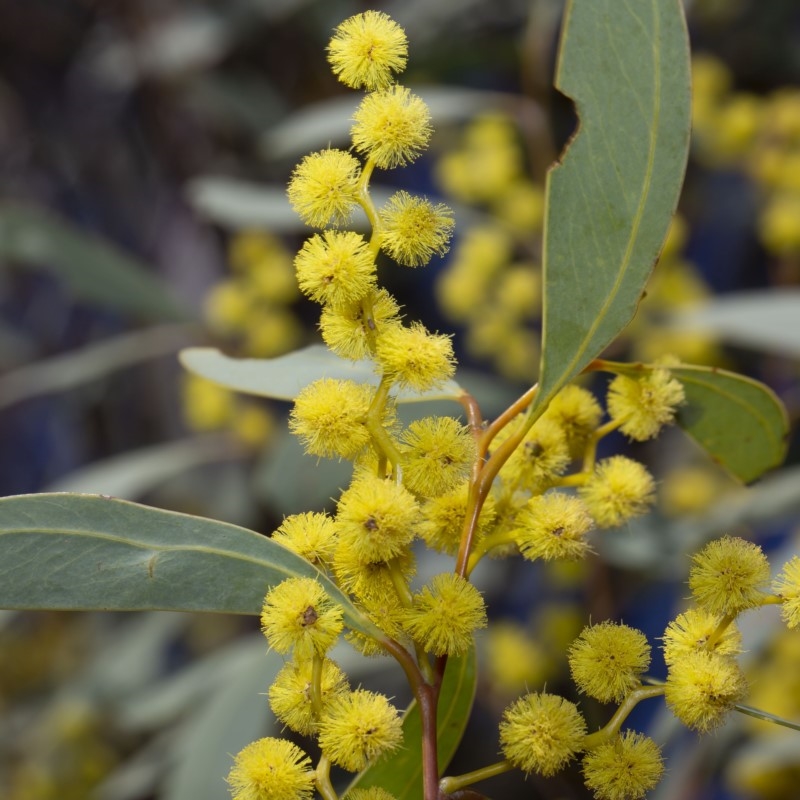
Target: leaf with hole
[(610, 201)]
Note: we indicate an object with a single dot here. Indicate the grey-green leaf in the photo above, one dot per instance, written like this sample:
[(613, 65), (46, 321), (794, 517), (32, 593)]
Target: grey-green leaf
[(609, 204), (93, 269), (284, 377), (401, 773), (73, 551)]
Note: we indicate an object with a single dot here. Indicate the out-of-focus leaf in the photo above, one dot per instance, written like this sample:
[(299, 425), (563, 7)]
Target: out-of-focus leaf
[(764, 320), (235, 714), (284, 377), (401, 773), (287, 481), (70, 551), (68, 370), (94, 270), (609, 203), (136, 472), (328, 123)]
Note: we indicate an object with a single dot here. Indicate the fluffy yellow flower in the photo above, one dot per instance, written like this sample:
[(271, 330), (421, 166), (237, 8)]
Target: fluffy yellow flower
[(359, 727), (576, 411), (437, 455), (541, 733), (514, 660), (553, 525), (370, 582), (625, 768), (311, 535), (787, 587), (346, 329), (415, 358), (728, 576), (366, 49), (692, 630), (619, 489), (323, 188), (644, 404), (391, 127), (290, 693), (271, 769), (376, 519), (542, 456), (702, 687), (445, 615), (443, 520), (413, 229), (330, 416), (336, 267), (298, 614), (607, 659)]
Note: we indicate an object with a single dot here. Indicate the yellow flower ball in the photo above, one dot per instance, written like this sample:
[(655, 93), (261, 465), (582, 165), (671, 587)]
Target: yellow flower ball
[(391, 127), (619, 489), (625, 768), (367, 49), (691, 631), (323, 188), (553, 526), (271, 769), (787, 586), (541, 733), (413, 229), (415, 358)]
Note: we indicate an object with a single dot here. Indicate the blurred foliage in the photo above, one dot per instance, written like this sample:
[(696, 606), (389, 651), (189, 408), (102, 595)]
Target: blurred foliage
[(144, 150)]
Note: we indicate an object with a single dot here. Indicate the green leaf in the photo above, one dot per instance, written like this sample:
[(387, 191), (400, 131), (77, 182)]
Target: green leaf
[(284, 377), (93, 269), (72, 551), (740, 422), (401, 773), (609, 204)]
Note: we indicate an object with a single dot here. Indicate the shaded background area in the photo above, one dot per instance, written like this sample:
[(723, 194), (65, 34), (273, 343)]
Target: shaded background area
[(144, 147)]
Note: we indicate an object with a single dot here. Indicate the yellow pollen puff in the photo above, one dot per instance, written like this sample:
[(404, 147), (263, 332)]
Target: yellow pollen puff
[(787, 586), (311, 535), (367, 49), (728, 576), (702, 687), (359, 727), (625, 768), (290, 695), (371, 583), (336, 267), (541, 733), (347, 330), (644, 404), (692, 630), (271, 769), (330, 416), (437, 455), (576, 411), (443, 520), (297, 613), (445, 615), (540, 459), (391, 127), (619, 489), (324, 187), (607, 659), (413, 229), (551, 526), (376, 519), (415, 358)]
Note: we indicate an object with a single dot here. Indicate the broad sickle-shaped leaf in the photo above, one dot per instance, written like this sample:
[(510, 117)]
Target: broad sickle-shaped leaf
[(739, 421), (401, 773), (282, 378), (625, 63), (74, 551)]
